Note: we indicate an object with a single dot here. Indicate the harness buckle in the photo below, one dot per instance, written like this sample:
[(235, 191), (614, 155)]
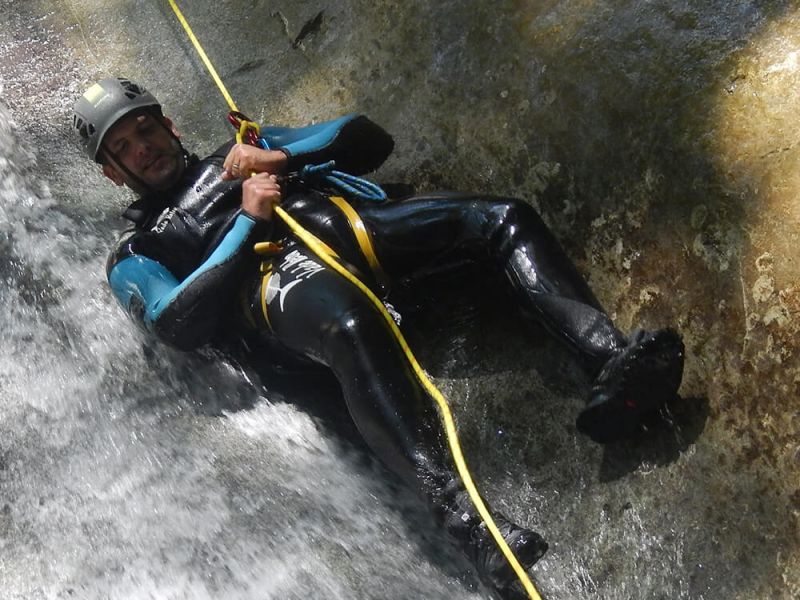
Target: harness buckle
[(267, 248)]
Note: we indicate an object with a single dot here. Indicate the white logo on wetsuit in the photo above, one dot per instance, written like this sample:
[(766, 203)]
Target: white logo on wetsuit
[(274, 288), (300, 267), (163, 220)]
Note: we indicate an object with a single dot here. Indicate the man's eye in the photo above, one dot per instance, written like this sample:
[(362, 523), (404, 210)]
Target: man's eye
[(121, 147)]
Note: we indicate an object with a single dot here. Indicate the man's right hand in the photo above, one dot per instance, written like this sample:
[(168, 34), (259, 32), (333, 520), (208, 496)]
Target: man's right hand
[(244, 160), (260, 193)]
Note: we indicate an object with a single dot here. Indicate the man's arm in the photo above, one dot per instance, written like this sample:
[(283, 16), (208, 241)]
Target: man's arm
[(355, 143), (184, 313)]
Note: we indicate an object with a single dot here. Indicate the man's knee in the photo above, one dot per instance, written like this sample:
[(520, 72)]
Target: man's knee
[(512, 213), (354, 328)]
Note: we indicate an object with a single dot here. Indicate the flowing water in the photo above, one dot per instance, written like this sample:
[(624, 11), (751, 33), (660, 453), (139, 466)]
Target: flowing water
[(659, 140), (119, 477)]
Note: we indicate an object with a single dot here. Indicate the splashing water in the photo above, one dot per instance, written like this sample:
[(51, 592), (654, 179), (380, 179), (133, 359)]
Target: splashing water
[(114, 482)]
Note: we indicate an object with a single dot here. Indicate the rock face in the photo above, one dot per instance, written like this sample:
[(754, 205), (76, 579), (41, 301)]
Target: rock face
[(658, 138)]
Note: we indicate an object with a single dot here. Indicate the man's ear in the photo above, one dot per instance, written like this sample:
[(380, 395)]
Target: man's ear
[(171, 126), (113, 174)]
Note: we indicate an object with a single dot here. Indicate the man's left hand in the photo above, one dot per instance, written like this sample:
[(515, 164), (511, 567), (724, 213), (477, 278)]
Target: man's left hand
[(244, 160), (260, 194)]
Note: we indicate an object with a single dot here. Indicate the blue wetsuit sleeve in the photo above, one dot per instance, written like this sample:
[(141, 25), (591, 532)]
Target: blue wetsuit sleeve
[(185, 313), (356, 144)]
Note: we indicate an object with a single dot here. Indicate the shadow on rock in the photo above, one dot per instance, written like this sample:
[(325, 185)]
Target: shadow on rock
[(662, 440)]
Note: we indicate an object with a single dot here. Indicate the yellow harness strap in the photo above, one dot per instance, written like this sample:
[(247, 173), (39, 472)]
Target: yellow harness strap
[(363, 238), (266, 268)]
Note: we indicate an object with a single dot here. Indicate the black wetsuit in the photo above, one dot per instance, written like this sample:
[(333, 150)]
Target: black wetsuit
[(189, 261)]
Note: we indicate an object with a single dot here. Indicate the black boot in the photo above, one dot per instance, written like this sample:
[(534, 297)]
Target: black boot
[(635, 382), (464, 524)]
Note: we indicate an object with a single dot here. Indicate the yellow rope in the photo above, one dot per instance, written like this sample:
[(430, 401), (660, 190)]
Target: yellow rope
[(319, 248), (449, 424), (203, 56)]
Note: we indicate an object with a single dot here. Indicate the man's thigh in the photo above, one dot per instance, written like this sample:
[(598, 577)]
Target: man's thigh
[(430, 231), (302, 298)]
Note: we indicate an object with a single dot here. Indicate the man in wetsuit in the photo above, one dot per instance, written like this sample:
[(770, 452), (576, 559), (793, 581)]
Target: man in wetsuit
[(187, 272)]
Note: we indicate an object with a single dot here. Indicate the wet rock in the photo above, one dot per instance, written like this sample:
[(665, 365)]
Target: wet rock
[(659, 141)]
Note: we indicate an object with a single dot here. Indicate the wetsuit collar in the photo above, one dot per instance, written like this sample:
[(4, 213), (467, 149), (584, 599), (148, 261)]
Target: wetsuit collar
[(139, 212)]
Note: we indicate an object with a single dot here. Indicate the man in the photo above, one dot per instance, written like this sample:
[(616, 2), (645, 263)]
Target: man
[(187, 271)]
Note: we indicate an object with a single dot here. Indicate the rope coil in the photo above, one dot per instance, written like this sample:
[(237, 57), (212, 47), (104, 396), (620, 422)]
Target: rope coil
[(345, 182)]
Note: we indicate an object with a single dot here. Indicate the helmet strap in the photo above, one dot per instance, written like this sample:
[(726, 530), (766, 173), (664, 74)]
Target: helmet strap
[(142, 188)]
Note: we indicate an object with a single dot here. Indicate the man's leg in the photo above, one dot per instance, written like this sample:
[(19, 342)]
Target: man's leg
[(316, 312), (632, 376), (415, 233)]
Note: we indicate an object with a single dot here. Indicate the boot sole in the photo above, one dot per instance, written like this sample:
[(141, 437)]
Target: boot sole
[(651, 376)]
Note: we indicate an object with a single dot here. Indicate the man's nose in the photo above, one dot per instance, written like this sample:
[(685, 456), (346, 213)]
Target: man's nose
[(143, 145), (143, 148)]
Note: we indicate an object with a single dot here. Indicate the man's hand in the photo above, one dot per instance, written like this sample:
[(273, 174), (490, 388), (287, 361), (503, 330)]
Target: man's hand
[(243, 160), (260, 193)]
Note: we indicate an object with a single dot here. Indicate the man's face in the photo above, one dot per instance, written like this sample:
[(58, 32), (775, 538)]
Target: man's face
[(143, 146)]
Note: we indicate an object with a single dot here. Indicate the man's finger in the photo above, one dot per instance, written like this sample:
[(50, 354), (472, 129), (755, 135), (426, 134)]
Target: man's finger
[(228, 160), (227, 166)]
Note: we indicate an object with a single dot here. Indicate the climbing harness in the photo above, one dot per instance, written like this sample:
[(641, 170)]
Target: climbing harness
[(327, 256)]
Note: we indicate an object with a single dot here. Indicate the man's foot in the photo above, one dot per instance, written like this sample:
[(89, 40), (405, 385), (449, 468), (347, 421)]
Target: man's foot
[(491, 564), (461, 520), (636, 382)]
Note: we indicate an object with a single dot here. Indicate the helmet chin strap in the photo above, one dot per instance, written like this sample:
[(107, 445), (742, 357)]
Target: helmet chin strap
[(140, 186)]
